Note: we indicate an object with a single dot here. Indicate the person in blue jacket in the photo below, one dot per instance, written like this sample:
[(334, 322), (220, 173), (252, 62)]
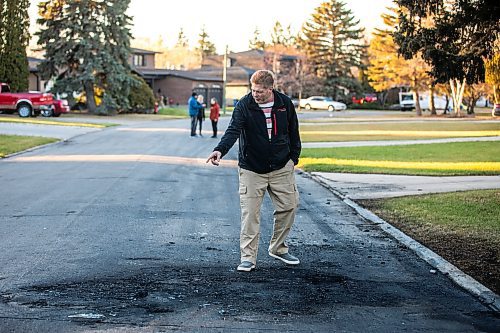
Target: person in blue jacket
[(194, 107)]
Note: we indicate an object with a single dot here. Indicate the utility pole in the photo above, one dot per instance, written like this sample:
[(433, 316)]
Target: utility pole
[(224, 77)]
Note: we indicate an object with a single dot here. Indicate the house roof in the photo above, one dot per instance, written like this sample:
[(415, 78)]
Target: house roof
[(250, 59), (142, 51), (235, 75), (191, 75), (33, 64)]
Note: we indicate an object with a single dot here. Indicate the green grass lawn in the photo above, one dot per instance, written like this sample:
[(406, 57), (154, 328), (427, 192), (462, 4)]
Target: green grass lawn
[(392, 130), (10, 144), (463, 227), (441, 159), (180, 112)]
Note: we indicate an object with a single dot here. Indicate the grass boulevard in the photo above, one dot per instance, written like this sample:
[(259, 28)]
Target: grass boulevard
[(463, 227)]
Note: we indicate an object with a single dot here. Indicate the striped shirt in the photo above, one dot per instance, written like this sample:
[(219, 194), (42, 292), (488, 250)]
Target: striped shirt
[(266, 108)]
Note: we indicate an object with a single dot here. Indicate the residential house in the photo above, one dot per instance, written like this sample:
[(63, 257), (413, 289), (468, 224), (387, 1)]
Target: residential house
[(177, 85), (35, 82)]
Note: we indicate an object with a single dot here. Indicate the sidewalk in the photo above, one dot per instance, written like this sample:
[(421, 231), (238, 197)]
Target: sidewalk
[(373, 186)]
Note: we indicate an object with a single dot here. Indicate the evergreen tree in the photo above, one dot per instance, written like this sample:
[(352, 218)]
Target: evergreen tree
[(182, 40), (87, 47), (462, 35), (205, 46), (14, 39), (333, 45), (256, 43)]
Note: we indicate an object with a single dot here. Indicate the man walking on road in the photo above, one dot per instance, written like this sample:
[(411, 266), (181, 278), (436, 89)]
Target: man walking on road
[(266, 124)]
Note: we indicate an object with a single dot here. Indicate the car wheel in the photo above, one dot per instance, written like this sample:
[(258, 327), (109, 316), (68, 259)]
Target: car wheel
[(331, 108), (47, 113), (307, 107), (24, 110)]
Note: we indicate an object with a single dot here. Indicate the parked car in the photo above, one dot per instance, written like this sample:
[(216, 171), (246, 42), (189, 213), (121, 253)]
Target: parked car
[(27, 104), (60, 106), (321, 102), (367, 98)]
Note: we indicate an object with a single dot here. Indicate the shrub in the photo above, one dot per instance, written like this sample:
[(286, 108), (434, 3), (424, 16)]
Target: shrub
[(141, 98)]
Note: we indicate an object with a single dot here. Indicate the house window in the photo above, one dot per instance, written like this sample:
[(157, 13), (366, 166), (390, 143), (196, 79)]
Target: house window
[(139, 60)]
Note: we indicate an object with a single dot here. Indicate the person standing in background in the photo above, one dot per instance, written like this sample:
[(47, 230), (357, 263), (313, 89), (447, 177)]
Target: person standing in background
[(214, 115), (201, 112), (194, 108)]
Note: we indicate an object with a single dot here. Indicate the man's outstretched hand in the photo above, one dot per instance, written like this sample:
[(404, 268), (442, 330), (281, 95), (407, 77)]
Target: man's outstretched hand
[(214, 157)]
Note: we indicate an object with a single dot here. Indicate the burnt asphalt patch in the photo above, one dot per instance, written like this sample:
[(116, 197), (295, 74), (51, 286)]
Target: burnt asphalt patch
[(314, 292)]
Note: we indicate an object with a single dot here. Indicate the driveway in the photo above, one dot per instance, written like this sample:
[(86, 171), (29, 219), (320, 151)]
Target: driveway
[(127, 229)]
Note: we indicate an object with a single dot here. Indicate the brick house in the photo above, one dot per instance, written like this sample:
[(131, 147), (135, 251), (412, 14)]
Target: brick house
[(177, 85)]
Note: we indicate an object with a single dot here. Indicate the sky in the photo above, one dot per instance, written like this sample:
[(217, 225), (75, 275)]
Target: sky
[(229, 22)]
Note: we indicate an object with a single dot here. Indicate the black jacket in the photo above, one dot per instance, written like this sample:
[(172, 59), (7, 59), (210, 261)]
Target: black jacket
[(256, 152)]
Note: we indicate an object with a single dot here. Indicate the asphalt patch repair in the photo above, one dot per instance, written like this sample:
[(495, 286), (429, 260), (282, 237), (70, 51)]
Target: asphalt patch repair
[(183, 295)]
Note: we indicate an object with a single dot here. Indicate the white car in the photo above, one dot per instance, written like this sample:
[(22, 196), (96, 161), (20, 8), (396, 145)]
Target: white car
[(322, 102)]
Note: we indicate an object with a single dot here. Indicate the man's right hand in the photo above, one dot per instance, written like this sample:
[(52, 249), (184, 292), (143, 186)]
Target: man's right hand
[(214, 157)]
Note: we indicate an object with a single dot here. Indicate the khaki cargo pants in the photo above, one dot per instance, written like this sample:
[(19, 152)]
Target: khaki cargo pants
[(283, 192)]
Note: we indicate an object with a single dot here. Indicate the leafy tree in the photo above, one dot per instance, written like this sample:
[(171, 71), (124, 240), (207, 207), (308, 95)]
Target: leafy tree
[(280, 36), (493, 78), (87, 45), (205, 46), (332, 42), (462, 34), (182, 40), (473, 93), (287, 64), (14, 39), (256, 43), (284, 59), (388, 69)]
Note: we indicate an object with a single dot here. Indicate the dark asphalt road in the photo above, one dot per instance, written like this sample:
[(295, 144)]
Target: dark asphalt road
[(127, 230)]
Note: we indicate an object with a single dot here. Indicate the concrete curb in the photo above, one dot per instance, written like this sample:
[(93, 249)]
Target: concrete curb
[(484, 294)]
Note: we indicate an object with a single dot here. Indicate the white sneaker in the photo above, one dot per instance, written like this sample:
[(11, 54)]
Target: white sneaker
[(245, 266), (287, 258)]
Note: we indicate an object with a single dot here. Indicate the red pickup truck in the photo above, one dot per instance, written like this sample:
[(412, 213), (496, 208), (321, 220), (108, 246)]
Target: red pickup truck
[(31, 104)]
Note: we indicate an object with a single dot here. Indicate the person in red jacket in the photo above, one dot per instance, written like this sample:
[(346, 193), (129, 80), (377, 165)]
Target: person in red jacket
[(214, 115), (266, 124)]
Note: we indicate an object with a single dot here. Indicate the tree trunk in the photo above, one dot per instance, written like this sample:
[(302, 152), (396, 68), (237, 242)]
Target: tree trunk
[(457, 94), (432, 107), (89, 94), (383, 98), (418, 110), (445, 111)]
